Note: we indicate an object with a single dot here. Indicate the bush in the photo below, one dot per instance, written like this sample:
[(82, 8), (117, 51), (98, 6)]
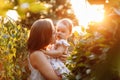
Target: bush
[(13, 51)]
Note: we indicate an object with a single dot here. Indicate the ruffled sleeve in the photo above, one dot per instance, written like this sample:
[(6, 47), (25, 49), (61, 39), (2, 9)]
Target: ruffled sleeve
[(62, 41)]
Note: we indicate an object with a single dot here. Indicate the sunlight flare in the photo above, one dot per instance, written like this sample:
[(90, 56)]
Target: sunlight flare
[(86, 13), (12, 14)]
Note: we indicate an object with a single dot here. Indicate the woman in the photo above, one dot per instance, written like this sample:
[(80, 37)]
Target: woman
[(42, 33)]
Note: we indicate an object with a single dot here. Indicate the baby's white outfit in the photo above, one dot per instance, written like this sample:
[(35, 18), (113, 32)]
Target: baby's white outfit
[(35, 74), (57, 64)]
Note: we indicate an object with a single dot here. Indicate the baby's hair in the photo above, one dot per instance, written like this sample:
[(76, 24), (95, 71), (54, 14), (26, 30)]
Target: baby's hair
[(67, 22)]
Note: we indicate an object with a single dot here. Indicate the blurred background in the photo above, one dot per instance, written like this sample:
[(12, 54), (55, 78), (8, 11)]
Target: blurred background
[(95, 42)]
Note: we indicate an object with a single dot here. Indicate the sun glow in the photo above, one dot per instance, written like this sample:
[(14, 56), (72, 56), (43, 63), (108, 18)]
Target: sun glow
[(86, 13), (12, 14)]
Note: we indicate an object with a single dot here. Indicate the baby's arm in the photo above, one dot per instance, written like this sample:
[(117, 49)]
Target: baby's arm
[(56, 52)]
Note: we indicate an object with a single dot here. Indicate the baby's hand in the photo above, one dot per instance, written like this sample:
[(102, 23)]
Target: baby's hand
[(64, 57)]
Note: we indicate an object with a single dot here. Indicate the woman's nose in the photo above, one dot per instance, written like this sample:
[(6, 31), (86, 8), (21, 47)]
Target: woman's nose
[(58, 34)]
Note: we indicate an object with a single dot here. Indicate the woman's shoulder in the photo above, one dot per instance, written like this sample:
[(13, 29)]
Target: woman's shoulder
[(36, 53), (36, 56)]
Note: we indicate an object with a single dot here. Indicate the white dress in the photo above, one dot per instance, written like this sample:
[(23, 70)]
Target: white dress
[(35, 74), (57, 64)]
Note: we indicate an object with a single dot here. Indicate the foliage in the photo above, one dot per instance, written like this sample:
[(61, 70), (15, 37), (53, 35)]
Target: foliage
[(96, 55), (88, 50), (32, 10), (13, 52)]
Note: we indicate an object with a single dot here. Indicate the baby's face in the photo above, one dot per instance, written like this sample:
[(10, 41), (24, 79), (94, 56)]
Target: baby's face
[(62, 31)]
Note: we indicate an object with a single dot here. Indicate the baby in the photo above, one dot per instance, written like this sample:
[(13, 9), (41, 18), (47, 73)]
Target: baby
[(64, 30)]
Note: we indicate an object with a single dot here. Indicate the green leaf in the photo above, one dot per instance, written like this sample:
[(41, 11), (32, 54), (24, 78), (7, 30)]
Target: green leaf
[(26, 1), (37, 7), (5, 6)]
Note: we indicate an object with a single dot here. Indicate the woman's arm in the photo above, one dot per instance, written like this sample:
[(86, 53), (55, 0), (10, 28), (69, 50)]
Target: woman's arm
[(39, 61)]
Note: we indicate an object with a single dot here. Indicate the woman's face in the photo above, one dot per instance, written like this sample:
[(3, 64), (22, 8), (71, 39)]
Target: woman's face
[(53, 36)]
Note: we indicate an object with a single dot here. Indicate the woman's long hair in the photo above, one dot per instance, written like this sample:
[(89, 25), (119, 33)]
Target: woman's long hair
[(40, 34)]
